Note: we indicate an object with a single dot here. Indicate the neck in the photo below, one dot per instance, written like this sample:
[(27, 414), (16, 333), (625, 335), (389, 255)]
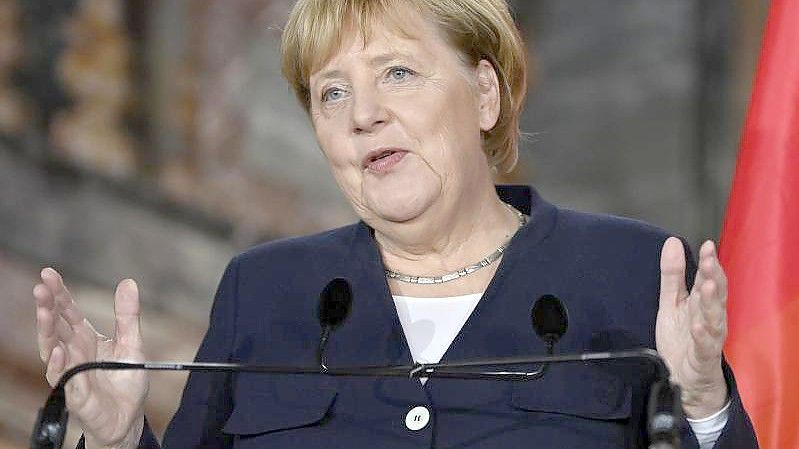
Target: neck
[(448, 236)]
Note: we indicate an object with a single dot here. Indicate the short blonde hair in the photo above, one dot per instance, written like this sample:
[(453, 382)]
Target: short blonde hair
[(478, 29)]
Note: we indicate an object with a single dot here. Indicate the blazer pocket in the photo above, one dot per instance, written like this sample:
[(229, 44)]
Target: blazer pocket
[(278, 404), (577, 390)]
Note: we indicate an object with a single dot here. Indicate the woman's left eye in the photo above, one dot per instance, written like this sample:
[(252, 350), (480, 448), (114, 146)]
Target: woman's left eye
[(399, 73)]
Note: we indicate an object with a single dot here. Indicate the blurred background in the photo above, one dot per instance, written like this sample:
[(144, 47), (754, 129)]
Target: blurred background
[(155, 140)]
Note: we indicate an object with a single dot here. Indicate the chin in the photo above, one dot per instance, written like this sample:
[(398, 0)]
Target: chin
[(402, 195), (400, 206)]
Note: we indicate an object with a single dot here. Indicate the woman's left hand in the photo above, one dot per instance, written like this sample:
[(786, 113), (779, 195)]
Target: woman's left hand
[(691, 327)]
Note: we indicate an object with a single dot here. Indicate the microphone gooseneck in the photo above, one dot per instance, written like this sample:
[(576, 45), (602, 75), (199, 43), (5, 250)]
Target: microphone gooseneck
[(550, 322)]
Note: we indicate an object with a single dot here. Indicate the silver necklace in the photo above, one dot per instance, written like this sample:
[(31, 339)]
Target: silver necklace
[(465, 271)]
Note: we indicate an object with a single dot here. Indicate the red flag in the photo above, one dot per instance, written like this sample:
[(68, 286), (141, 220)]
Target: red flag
[(760, 240)]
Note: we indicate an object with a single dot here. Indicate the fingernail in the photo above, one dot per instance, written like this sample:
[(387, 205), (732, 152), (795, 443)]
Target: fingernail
[(130, 283)]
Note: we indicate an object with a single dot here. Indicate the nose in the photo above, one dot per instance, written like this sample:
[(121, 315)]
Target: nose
[(369, 114)]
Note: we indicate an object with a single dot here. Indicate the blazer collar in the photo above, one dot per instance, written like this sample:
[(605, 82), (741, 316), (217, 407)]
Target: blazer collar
[(373, 334)]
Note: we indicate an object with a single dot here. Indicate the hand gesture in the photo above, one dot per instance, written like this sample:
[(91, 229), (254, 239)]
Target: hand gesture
[(692, 325), (108, 404)]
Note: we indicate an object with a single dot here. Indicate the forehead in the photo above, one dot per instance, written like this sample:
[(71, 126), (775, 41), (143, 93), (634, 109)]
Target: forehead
[(402, 34)]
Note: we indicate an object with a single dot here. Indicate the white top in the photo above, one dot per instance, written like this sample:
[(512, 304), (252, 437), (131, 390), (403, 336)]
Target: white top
[(431, 324)]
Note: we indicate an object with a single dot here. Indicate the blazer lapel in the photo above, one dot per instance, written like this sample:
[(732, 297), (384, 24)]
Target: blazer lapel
[(372, 335), (500, 325)]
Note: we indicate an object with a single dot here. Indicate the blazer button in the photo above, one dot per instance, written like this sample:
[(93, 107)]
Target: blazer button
[(417, 418)]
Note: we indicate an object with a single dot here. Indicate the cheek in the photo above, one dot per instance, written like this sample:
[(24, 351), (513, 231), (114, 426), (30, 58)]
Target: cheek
[(446, 126), (339, 160), (333, 144), (339, 154)]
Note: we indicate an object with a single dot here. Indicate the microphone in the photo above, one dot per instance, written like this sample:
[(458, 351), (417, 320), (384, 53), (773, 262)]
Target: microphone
[(334, 307), (51, 422), (550, 321), (663, 412), (549, 318)]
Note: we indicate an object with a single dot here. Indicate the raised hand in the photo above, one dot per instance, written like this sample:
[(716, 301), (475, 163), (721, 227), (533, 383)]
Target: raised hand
[(108, 404), (692, 325)]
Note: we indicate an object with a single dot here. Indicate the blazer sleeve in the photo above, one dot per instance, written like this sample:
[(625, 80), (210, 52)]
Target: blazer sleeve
[(207, 397), (738, 433), (206, 403)]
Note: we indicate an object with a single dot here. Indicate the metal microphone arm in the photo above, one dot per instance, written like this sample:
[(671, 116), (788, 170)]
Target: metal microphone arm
[(51, 423)]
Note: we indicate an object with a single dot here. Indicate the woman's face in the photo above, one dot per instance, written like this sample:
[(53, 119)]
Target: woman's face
[(399, 119)]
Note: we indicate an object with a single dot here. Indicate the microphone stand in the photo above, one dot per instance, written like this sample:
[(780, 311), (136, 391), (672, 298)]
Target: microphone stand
[(664, 404)]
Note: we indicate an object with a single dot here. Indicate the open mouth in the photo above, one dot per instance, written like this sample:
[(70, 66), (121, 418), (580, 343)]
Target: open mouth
[(381, 155), (383, 159)]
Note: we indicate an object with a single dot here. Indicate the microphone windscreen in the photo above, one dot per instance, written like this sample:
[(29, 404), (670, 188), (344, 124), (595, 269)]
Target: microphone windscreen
[(550, 318), (334, 303)]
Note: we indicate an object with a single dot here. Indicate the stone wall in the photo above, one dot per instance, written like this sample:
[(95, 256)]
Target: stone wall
[(97, 233)]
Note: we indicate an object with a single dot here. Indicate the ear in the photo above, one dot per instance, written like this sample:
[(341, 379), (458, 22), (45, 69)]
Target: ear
[(488, 94)]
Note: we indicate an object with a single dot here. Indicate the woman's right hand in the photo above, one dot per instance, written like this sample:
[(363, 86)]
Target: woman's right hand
[(108, 404)]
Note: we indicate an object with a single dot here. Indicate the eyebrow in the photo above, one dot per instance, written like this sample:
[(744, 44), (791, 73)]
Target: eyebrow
[(388, 57)]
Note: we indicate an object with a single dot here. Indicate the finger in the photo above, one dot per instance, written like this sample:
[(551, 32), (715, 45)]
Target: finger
[(702, 273), (45, 321), (705, 352), (710, 269), (56, 365), (713, 310), (708, 324), (707, 249), (700, 332), (51, 325), (63, 299), (43, 296), (64, 330), (701, 350), (127, 314), (45, 332), (78, 385), (672, 273)]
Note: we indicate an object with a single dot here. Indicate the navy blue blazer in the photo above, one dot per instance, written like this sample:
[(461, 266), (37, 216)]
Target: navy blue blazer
[(605, 269)]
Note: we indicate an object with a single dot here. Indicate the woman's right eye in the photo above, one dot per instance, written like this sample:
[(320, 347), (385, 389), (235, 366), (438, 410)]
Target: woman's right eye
[(332, 94)]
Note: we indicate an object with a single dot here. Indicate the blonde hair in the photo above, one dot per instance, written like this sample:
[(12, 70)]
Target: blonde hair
[(478, 29)]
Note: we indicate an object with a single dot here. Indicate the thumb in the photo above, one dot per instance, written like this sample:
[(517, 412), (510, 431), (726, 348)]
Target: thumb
[(127, 314), (672, 273)]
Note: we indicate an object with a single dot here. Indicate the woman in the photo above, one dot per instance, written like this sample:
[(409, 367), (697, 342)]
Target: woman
[(415, 103)]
